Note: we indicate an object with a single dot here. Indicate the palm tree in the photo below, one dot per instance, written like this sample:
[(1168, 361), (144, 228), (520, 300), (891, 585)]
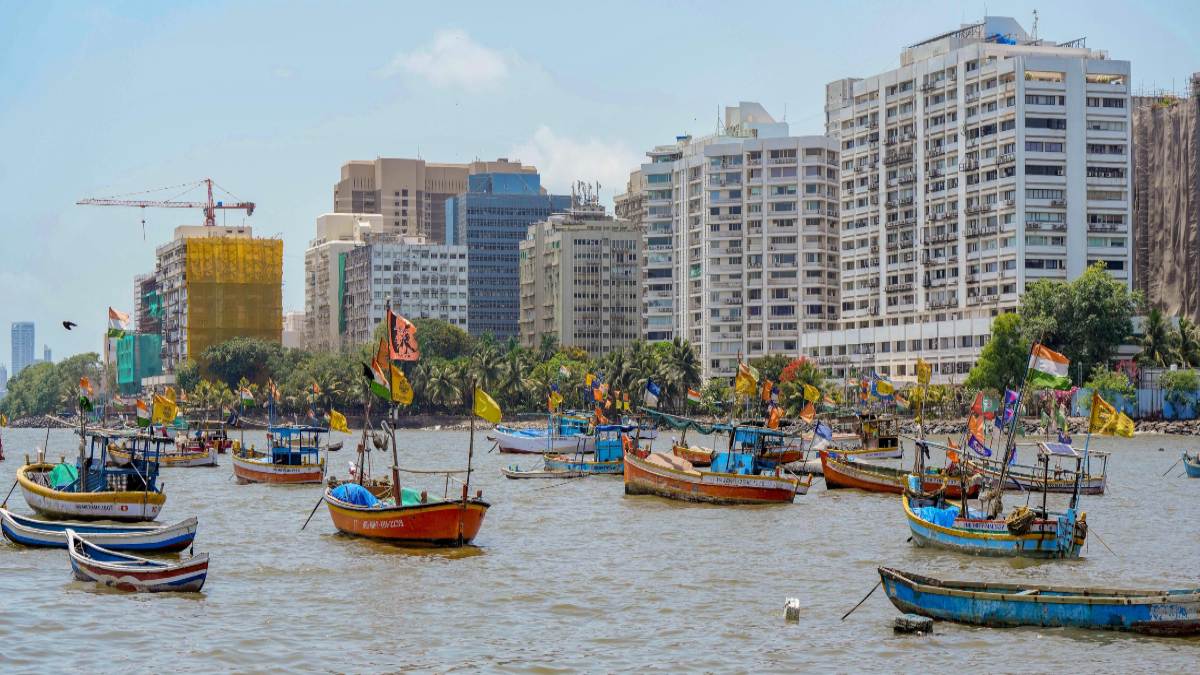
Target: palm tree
[(440, 388), (1158, 341), (484, 367), (1189, 342), (548, 347), (682, 367)]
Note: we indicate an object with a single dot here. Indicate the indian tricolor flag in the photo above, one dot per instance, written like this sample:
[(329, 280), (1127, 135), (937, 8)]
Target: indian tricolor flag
[(693, 396), (118, 323), (143, 414), (1049, 368), (378, 379)]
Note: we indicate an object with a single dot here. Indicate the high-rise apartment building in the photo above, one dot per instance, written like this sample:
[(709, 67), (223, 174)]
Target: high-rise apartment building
[(212, 284), (741, 239), (580, 282), (293, 330), (420, 280), (22, 346), (325, 274), (410, 194), (3, 379), (989, 159), (491, 219)]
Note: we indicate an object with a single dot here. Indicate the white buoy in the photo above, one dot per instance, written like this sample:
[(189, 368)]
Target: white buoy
[(791, 610)]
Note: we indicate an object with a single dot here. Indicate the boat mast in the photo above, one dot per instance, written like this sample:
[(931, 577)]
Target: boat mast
[(997, 503), (395, 456), (462, 511)]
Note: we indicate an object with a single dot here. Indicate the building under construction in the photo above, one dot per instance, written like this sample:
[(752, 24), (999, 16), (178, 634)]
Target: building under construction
[(211, 284), (1166, 200)]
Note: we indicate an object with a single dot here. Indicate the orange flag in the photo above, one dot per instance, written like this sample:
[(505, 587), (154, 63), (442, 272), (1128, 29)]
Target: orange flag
[(776, 413), (402, 338), (809, 413), (975, 425), (767, 385)]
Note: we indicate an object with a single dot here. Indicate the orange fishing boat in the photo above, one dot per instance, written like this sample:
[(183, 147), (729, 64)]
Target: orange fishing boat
[(657, 475), (843, 473)]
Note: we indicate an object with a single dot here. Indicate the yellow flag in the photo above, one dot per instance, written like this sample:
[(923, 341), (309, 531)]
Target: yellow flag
[(169, 394), (165, 410), (3, 420), (402, 391), (924, 372), (811, 393), (554, 401), (1107, 420), (746, 382), (337, 422), (485, 407)]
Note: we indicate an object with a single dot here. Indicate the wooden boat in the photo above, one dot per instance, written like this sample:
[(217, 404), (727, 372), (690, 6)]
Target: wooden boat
[(131, 573), (380, 487), (1025, 478), (696, 455), (562, 433), (173, 453), (644, 476), (209, 434), (434, 521), (611, 442), (516, 472), (842, 473), (867, 436), (91, 489), (293, 457), (1153, 612), (1191, 464), (53, 534)]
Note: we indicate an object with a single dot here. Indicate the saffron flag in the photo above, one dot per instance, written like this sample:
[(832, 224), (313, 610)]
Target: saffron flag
[(402, 337), (693, 396), (975, 426), (827, 400), (486, 407), (1050, 369), (165, 410), (746, 382), (765, 391), (924, 372), (773, 417), (401, 390), (118, 323), (808, 413), (652, 393), (85, 394), (1107, 420), (811, 393), (143, 414), (337, 422)]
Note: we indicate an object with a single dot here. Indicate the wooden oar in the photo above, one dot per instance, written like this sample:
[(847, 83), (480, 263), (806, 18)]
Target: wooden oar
[(313, 512), (860, 602), (1172, 467), (4, 504)]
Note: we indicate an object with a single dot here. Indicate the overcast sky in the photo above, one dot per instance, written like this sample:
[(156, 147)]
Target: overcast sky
[(270, 98)]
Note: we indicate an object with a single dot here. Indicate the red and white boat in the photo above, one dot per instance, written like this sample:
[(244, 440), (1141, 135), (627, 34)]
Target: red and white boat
[(843, 473), (131, 573)]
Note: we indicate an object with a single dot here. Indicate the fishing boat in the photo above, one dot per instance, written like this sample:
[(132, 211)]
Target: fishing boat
[(292, 457), (515, 472), (1025, 478), (125, 572), (1027, 532), (562, 433), (867, 435), (998, 605), (93, 489), (611, 442), (208, 434), (53, 534), (847, 473), (172, 453), (1191, 464), (696, 455), (735, 476)]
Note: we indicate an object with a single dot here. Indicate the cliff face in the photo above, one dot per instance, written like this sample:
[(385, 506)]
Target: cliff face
[(1166, 201)]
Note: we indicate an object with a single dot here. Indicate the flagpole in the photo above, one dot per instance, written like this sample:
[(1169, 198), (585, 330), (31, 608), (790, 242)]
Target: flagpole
[(470, 455), (1009, 446)]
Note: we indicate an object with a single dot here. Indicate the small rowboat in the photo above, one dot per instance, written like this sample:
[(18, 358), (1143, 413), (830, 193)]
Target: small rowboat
[(53, 534), (516, 472), (611, 441), (1024, 478), (1153, 612), (539, 441), (1191, 464), (131, 573), (650, 477), (840, 473)]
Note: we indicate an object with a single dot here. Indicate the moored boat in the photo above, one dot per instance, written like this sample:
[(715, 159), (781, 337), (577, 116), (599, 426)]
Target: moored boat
[(611, 441), (91, 489), (516, 472), (998, 605), (562, 433), (1191, 464), (844, 473), (53, 534), (173, 453), (418, 519), (1025, 478), (125, 572), (696, 455), (292, 457)]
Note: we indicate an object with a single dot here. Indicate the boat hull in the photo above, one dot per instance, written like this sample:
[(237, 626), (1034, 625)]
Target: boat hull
[(252, 470), (121, 506), (1018, 481), (563, 463), (128, 573), (434, 524), (173, 458), (1168, 613), (644, 478), (515, 473), (855, 475), (51, 534), (510, 442), (1192, 466), (697, 457), (992, 537)]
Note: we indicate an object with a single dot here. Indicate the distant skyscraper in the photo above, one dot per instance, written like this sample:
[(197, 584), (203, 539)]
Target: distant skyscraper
[(3, 378), (491, 218), (46, 354), (22, 345)]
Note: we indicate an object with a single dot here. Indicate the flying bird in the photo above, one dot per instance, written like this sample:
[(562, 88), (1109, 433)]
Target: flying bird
[(69, 324)]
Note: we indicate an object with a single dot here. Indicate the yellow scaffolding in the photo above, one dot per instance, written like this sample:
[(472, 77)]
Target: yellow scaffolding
[(234, 289)]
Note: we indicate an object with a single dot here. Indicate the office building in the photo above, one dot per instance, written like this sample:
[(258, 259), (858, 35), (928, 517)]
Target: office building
[(740, 238), (988, 159), (46, 354), (293, 330), (3, 378), (579, 275), (22, 346), (212, 284), (139, 356), (409, 194), (1166, 200), (420, 280), (491, 219)]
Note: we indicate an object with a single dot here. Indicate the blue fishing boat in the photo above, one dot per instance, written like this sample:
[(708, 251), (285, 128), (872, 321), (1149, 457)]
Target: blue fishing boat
[(53, 534), (1153, 612), (1027, 532), (611, 442), (1191, 464), (562, 433)]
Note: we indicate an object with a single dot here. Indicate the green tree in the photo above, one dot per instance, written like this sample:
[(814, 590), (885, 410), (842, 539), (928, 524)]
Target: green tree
[(1180, 385), (1160, 342), (1109, 382), (251, 358), (1004, 359), (187, 375), (770, 367), (1189, 342)]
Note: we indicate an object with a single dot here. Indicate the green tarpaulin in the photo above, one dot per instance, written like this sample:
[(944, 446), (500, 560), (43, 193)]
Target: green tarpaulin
[(63, 475)]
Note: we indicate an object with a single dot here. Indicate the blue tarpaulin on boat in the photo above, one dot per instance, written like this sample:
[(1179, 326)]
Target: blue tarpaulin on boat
[(353, 493), (943, 517)]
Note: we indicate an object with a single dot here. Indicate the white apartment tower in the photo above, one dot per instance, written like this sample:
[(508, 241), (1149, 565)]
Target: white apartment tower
[(989, 159), (741, 239)]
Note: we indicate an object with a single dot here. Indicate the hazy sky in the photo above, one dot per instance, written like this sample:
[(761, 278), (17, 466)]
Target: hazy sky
[(270, 98)]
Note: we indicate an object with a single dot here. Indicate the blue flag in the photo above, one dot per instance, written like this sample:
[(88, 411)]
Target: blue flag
[(652, 393), (1063, 438), (978, 446), (1010, 409), (823, 431)]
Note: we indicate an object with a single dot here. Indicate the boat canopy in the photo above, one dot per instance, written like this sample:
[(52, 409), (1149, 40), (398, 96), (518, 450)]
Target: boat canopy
[(682, 423)]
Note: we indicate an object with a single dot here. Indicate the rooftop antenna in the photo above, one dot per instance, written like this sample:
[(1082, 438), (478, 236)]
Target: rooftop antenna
[(1035, 24)]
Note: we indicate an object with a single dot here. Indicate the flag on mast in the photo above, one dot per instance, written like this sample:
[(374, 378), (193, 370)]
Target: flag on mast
[(1050, 369)]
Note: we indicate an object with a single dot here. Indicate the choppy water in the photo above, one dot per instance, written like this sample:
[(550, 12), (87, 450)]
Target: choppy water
[(577, 576)]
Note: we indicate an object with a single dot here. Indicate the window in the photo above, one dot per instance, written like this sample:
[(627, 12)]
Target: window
[(1040, 75), (1045, 123), (1044, 99), (1106, 195), (1105, 125), (1043, 146), (1104, 78), (1044, 170), (1105, 172), (1040, 193)]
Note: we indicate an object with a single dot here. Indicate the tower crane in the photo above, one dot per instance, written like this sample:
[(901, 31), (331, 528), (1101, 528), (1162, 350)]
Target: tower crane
[(210, 207)]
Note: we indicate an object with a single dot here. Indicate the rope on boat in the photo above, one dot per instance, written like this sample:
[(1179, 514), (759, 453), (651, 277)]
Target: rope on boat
[(435, 471)]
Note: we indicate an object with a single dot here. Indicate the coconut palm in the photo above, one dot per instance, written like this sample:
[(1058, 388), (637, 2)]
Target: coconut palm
[(1159, 342), (441, 389), (484, 366), (1189, 342)]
